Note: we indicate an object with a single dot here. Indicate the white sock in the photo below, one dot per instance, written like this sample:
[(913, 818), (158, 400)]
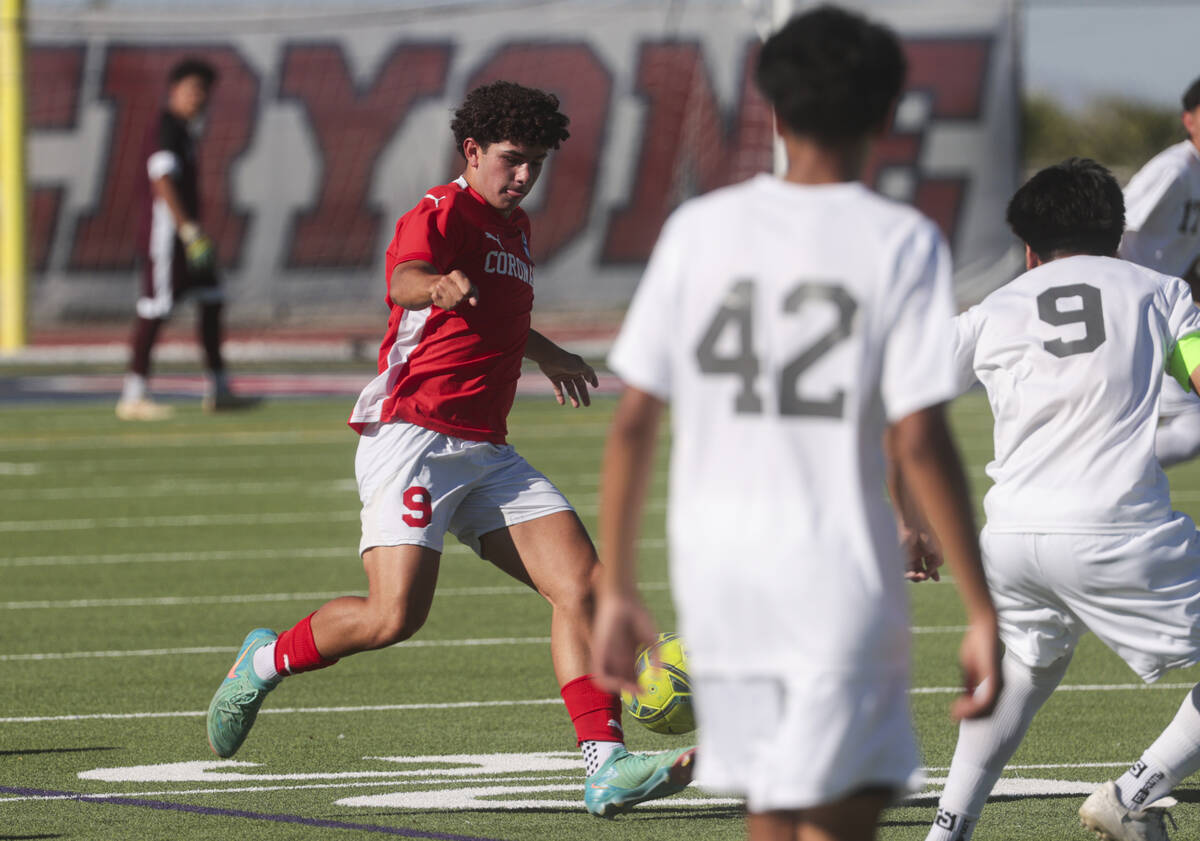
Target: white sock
[(264, 663), (986, 744), (596, 754), (1174, 756), (134, 388)]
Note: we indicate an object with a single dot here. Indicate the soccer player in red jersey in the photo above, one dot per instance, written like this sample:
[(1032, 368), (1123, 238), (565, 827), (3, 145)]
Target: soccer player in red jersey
[(177, 258), (432, 456)]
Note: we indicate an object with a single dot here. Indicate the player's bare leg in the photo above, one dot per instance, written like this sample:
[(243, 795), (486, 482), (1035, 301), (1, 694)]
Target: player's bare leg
[(853, 818), (400, 585), (555, 556)]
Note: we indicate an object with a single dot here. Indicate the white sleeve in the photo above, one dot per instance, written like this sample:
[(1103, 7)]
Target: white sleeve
[(641, 354), (1183, 315), (966, 336), (918, 369), (163, 162), (1146, 191)]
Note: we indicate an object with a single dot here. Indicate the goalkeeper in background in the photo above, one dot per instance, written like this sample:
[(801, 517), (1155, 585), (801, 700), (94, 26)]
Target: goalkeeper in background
[(177, 257)]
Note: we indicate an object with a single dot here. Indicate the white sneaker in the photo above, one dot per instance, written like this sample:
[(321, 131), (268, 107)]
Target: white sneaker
[(1103, 813), (143, 409)]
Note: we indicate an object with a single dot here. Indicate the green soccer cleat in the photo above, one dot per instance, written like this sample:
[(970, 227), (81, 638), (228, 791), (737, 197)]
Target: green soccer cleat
[(627, 779), (235, 706)]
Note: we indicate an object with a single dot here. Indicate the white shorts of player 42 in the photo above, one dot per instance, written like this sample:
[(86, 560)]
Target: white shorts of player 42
[(805, 740), (416, 485), (1139, 592)]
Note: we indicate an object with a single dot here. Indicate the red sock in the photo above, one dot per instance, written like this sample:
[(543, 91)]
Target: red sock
[(296, 651), (595, 713)]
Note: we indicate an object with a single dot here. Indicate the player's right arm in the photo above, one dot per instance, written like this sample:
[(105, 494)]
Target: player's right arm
[(929, 466), (161, 166), (415, 285)]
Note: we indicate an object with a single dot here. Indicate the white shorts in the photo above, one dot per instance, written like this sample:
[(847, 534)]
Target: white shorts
[(803, 741), (416, 484), (1139, 592)]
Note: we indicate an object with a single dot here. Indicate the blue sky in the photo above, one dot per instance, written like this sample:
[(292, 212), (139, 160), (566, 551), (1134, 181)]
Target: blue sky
[(1147, 50)]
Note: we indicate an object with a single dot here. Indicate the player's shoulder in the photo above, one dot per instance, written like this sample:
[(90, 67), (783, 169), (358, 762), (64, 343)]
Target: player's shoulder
[(442, 199), (1111, 275), (1173, 161)]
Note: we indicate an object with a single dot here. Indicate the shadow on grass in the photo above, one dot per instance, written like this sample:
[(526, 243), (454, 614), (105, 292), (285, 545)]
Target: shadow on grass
[(34, 751), (27, 837)]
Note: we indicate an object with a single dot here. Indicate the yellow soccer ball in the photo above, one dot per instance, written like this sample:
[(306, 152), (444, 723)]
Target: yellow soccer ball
[(664, 699)]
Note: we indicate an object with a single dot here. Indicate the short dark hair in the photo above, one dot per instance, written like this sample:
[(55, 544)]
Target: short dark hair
[(1074, 207), (832, 74), (1191, 96), (508, 111), (193, 66)]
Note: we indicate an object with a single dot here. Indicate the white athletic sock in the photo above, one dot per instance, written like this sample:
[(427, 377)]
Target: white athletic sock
[(1174, 756), (134, 388), (986, 744), (596, 754), (264, 663)]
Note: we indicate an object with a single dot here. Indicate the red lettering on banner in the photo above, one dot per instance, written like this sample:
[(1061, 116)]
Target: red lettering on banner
[(951, 74), (54, 75), (352, 126), (582, 83), (134, 83), (688, 146)]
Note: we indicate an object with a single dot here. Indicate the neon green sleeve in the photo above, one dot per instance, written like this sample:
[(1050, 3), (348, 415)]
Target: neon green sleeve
[(1184, 359)]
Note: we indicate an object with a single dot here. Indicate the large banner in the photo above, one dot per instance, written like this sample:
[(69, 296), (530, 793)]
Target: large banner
[(324, 129)]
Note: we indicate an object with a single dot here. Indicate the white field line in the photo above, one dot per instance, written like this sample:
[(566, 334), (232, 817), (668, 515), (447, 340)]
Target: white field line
[(432, 781), (230, 649), (257, 598), (125, 464), (179, 487), (35, 443), (269, 438), (176, 521), (204, 520), (189, 557), (461, 705), (452, 705), (228, 554)]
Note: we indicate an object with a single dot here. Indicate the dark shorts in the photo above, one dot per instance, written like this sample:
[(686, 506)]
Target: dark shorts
[(166, 279)]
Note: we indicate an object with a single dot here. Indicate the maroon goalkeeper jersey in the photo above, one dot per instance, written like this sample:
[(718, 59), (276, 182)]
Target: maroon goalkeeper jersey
[(456, 371)]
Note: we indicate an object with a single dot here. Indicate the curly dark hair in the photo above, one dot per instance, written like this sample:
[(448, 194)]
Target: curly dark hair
[(832, 74), (193, 66), (508, 111), (1075, 207)]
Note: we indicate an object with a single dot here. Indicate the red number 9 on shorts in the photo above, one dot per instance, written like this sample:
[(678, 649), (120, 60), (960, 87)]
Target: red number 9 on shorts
[(416, 500)]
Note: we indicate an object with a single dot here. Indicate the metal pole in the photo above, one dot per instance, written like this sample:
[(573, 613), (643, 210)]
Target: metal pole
[(13, 207)]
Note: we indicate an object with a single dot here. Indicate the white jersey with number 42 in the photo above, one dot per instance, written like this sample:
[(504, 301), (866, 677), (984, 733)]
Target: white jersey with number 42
[(1072, 354), (787, 325)]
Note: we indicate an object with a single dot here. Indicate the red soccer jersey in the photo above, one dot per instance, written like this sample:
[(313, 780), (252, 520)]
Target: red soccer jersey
[(456, 371)]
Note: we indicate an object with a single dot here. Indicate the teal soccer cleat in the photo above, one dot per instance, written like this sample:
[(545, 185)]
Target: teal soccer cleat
[(235, 706), (627, 779)]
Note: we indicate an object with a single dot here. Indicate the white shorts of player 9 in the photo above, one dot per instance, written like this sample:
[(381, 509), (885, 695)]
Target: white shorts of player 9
[(1139, 592), (416, 485), (801, 741)]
